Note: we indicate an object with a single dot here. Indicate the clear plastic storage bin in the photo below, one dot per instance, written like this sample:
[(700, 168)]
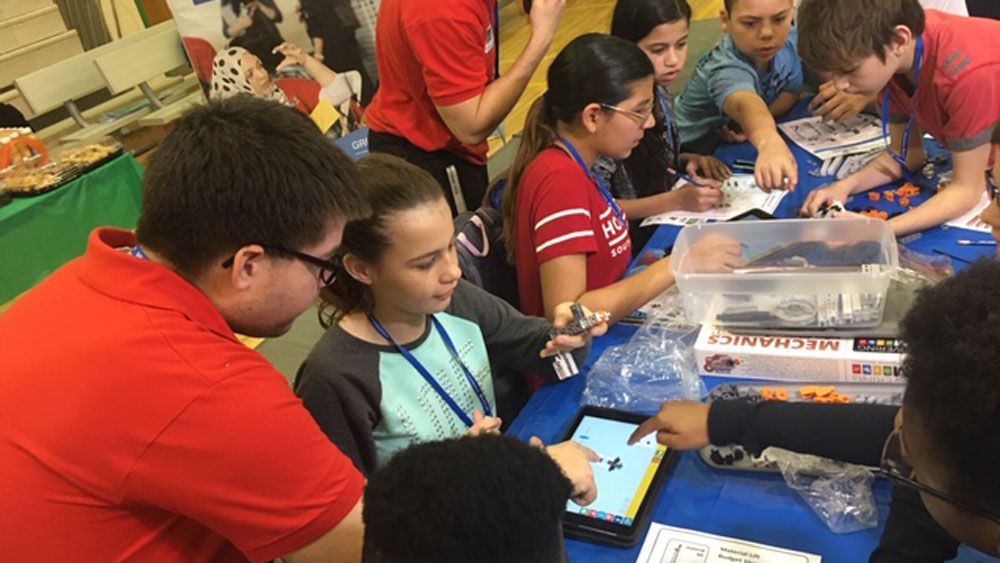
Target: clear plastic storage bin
[(803, 273)]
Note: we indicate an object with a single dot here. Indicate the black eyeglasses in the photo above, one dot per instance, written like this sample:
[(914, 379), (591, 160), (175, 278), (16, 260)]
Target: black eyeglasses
[(327, 270), (894, 467)]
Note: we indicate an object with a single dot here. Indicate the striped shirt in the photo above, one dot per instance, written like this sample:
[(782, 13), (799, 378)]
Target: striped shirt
[(560, 212)]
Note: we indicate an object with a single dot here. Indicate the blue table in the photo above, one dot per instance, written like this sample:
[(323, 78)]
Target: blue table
[(756, 507)]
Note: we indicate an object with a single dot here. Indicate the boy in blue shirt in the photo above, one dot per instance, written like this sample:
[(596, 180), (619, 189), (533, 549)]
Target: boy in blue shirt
[(751, 76)]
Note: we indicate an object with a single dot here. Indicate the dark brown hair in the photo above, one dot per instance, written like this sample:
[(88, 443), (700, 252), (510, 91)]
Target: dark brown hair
[(390, 185), (836, 34), (593, 68), (242, 171)]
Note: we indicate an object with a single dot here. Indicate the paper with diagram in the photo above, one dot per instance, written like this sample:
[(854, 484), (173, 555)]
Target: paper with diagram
[(973, 220), (666, 544), (825, 140), (741, 194)]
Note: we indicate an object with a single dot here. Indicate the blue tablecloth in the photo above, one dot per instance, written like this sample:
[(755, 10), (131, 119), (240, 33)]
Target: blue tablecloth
[(756, 507)]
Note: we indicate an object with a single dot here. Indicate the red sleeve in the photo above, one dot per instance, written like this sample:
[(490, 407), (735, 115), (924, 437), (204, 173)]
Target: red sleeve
[(973, 108), (561, 214), (247, 460), (451, 51)]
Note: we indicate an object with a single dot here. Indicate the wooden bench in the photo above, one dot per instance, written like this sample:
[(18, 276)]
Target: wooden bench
[(161, 53), (68, 80)]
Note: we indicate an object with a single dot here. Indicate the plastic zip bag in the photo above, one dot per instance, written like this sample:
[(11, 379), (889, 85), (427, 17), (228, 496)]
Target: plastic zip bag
[(839, 493), (657, 364)]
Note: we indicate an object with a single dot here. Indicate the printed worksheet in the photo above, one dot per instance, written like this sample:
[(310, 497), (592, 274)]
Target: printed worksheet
[(666, 544), (973, 220), (826, 140), (741, 194)]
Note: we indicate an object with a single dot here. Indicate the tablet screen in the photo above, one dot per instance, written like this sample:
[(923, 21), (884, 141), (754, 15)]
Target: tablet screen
[(624, 474)]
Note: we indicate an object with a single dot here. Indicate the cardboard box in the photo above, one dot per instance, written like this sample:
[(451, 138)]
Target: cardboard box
[(798, 359)]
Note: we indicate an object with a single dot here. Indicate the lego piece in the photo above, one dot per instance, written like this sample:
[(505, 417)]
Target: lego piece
[(890, 196), (781, 394), (874, 196), (767, 394), (904, 201)]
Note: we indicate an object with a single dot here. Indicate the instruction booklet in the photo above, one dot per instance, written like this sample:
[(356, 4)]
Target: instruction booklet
[(666, 544), (827, 139), (740, 194)]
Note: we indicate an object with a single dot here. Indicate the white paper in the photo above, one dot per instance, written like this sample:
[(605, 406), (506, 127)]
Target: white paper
[(972, 220), (741, 194), (666, 544), (825, 140)]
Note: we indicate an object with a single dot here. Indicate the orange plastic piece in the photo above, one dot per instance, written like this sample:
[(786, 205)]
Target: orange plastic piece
[(890, 196), (907, 189), (874, 196), (842, 399), (883, 215), (781, 394), (904, 201), (817, 391), (823, 400), (767, 394)]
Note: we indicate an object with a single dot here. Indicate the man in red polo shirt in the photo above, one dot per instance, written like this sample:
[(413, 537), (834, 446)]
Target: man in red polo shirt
[(135, 426), (438, 101), (942, 76)]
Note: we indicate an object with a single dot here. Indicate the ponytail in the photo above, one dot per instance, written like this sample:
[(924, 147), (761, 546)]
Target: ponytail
[(593, 68), (539, 134)]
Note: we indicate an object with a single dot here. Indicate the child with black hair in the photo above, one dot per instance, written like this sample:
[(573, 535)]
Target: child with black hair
[(941, 449), (564, 231), (752, 76), (495, 499), (407, 354), (644, 183)]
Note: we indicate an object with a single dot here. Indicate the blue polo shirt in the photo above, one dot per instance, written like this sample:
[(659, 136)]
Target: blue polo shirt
[(725, 70)]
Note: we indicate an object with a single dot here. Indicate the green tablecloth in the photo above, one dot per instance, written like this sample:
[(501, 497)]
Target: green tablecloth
[(38, 234)]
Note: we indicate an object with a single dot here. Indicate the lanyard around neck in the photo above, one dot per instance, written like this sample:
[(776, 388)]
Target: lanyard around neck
[(596, 179), (668, 117), (417, 365), (901, 158)]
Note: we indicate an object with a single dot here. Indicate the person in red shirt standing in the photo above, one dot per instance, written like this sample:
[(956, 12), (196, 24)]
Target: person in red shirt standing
[(438, 101), (135, 426), (567, 235), (938, 74)]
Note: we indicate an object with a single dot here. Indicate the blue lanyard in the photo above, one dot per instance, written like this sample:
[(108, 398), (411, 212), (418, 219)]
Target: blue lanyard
[(901, 158), (668, 116), (598, 181), (139, 253), (430, 378), (496, 40)]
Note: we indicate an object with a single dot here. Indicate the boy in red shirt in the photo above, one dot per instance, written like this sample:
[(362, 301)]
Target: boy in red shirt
[(941, 75), (437, 101)]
